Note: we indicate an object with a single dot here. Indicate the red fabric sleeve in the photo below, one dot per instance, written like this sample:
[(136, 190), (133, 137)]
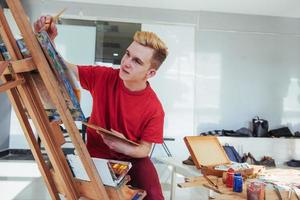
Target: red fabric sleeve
[(86, 77), (153, 131), (90, 76)]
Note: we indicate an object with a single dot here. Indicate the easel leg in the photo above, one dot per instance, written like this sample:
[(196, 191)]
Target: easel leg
[(16, 103)]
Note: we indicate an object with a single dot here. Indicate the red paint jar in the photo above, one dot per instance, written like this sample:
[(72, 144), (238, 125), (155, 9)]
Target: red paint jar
[(230, 177)]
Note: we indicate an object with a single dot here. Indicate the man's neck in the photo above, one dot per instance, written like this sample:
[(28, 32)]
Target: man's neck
[(134, 86)]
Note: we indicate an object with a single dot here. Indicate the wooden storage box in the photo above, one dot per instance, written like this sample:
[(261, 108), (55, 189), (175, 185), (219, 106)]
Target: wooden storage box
[(207, 153)]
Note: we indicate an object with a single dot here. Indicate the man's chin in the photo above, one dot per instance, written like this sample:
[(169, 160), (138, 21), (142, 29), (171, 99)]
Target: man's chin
[(122, 76)]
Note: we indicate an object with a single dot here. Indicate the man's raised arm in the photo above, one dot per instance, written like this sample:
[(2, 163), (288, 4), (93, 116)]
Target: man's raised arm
[(45, 23)]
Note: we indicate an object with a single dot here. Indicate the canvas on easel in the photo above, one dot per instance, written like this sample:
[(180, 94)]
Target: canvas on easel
[(66, 83), (58, 66)]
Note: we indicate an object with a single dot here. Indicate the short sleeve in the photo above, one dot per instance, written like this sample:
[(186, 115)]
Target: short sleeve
[(153, 131), (86, 77), (90, 76)]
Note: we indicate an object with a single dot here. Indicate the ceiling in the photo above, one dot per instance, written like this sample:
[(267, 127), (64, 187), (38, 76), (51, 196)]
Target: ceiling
[(283, 8)]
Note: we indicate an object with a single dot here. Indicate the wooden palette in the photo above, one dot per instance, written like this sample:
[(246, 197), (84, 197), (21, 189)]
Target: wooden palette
[(101, 130)]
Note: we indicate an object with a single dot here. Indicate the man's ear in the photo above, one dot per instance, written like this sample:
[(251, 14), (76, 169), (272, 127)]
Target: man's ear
[(151, 73)]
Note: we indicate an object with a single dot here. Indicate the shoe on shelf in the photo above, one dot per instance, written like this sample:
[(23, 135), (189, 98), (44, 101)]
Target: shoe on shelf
[(189, 161), (293, 163)]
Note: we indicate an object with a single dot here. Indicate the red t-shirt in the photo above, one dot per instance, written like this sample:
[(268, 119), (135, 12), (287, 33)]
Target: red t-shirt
[(138, 115)]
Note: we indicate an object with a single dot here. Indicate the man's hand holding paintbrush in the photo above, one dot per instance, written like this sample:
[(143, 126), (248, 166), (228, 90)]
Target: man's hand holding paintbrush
[(48, 23)]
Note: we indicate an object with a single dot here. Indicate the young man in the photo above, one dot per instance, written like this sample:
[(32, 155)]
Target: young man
[(124, 102)]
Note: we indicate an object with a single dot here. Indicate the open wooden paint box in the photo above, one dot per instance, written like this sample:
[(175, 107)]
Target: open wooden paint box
[(207, 153)]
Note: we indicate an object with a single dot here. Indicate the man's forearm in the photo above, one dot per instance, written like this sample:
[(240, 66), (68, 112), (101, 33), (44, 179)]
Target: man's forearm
[(72, 69), (140, 151)]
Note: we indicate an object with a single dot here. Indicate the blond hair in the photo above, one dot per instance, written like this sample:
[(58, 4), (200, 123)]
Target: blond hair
[(150, 39)]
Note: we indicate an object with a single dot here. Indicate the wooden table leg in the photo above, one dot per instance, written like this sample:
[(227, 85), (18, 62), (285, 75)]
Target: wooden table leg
[(173, 182)]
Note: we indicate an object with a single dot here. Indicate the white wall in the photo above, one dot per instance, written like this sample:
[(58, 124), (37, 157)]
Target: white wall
[(244, 74), (226, 44), (246, 65), (175, 83)]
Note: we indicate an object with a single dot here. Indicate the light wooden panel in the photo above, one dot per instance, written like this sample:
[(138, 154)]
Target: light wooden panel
[(206, 151)]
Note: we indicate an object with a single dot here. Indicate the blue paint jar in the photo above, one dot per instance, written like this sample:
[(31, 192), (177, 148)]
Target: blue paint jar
[(238, 182)]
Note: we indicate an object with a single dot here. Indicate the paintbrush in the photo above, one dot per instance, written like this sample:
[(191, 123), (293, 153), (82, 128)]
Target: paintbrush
[(210, 181), (212, 188), (54, 19)]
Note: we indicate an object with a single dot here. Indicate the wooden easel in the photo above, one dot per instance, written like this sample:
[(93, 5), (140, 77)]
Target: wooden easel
[(18, 82)]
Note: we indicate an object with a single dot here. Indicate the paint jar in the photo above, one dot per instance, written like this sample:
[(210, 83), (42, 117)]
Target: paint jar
[(238, 182), (256, 191), (230, 176)]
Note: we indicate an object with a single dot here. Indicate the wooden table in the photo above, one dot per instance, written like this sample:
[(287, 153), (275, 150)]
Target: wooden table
[(222, 192), (195, 176)]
